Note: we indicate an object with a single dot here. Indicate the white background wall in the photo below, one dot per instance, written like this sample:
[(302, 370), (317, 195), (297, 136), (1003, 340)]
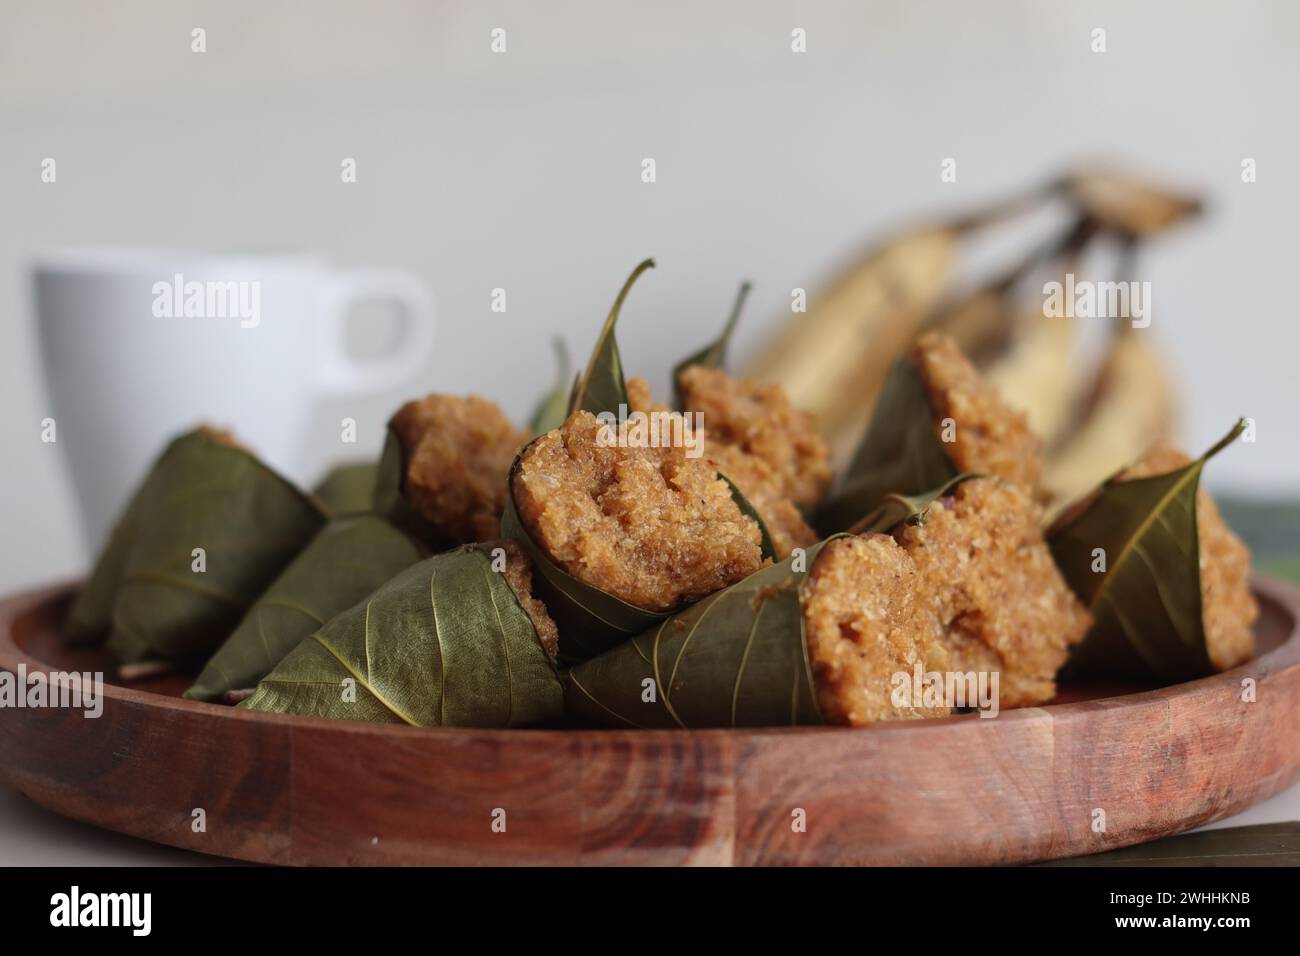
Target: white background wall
[(522, 171)]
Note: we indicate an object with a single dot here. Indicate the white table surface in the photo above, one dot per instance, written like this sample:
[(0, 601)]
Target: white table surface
[(32, 836)]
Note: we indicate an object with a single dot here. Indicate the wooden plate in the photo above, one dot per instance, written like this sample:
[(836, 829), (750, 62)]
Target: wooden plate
[(1027, 785)]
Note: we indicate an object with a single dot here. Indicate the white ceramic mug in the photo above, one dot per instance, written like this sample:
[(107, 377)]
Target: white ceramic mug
[(140, 345)]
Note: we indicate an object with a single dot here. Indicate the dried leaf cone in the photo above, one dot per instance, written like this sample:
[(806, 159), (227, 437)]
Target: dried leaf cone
[(447, 642)]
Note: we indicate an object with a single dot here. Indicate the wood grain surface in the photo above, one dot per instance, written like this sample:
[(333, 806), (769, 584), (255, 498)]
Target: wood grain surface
[(1021, 787)]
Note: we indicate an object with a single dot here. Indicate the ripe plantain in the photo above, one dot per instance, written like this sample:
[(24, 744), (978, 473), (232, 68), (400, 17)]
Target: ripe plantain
[(1036, 373), (1130, 409), (832, 359), (1125, 204), (1029, 356)]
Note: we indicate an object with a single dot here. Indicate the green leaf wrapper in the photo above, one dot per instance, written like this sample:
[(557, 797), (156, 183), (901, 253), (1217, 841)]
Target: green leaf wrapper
[(250, 522), (91, 615), (900, 453), (738, 658), (390, 493), (444, 643), (590, 620), (735, 659), (1147, 603), (348, 489), (894, 509), (713, 355), (348, 559), (602, 387), (553, 408), (746, 508)]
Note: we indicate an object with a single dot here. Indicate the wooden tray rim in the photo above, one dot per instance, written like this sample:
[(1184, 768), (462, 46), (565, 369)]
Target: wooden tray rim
[(696, 796), (1282, 595)]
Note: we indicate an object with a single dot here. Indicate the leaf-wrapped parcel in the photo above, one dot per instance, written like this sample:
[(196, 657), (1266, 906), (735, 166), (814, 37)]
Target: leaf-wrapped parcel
[(735, 659), (348, 489), (622, 532), (954, 582), (936, 418), (770, 452), (813, 639), (623, 535), (1166, 580), (209, 529), (447, 642), (824, 637), (442, 474), (348, 559), (91, 616)]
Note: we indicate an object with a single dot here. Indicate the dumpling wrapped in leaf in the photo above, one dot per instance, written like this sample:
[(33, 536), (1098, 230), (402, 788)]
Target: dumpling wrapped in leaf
[(623, 534), (758, 420), (765, 488), (762, 488), (770, 451), (442, 475), (817, 638), (348, 559), (833, 634), (1168, 581), (623, 518), (209, 529), (1002, 603), (1228, 608), (455, 640), (91, 616), (936, 418)]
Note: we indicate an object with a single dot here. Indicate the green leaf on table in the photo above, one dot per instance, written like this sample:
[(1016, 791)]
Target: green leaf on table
[(444, 643), (1265, 844), (1146, 599)]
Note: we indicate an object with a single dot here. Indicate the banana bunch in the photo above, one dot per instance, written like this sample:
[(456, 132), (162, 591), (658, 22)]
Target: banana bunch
[(1129, 408), (1130, 403), (833, 359)]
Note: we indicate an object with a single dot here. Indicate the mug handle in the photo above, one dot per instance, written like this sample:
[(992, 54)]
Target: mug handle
[(341, 373)]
